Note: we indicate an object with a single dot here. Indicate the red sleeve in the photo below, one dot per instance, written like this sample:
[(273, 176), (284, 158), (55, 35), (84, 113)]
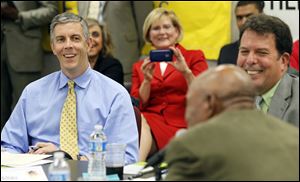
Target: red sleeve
[(198, 63), (136, 79), (195, 59), (294, 60)]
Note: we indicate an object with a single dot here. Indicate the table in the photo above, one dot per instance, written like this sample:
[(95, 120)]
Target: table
[(76, 167), (79, 167)]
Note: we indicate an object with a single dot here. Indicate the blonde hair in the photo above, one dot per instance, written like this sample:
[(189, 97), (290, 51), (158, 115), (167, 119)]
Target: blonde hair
[(107, 46), (155, 15)]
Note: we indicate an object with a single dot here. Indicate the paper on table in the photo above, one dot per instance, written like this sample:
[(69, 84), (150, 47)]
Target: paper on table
[(143, 179), (16, 160), (37, 163), (35, 173), (136, 168)]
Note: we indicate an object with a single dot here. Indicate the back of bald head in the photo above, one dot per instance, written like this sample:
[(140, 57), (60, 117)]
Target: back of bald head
[(226, 82)]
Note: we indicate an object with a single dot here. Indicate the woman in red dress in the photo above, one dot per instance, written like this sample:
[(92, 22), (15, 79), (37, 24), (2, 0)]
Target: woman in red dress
[(161, 87)]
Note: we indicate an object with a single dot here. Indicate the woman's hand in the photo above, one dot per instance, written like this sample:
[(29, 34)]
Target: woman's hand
[(179, 63), (147, 69), (144, 90)]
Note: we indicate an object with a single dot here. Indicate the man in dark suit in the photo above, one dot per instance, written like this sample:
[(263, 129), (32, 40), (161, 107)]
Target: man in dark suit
[(227, 138), (21, 50), (244, 9), (265, 48)]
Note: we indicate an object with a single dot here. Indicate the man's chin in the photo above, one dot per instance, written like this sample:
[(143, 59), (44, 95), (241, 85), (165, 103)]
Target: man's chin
[(70, 67), (259, 88)]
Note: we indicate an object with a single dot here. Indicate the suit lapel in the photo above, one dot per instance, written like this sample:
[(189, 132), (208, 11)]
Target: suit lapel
[(157, 72), (279, 103), (278, 106), (169, 70)]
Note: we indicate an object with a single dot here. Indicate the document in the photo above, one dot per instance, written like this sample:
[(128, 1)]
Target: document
[(19, 160), (35, 173), (134, 168), (144, 179)]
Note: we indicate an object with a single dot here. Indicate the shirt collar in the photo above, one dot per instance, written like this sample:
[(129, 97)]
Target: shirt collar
[(268, 95), (82, 81)]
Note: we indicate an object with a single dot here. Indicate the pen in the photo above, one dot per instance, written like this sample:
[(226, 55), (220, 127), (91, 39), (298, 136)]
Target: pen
[(140, 174), (136, 176), (33, 148)]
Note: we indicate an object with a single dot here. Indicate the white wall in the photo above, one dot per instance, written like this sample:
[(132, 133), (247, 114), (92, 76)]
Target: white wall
[(288, 11)]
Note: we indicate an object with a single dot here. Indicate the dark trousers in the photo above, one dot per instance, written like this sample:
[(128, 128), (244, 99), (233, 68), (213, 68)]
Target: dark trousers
[(12, 84)]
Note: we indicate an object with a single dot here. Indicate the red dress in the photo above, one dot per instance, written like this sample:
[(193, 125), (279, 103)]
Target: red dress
[(165, 109)]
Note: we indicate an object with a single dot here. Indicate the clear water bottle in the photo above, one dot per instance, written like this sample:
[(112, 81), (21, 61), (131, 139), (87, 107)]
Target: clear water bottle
[(59, 170), (97, 150)]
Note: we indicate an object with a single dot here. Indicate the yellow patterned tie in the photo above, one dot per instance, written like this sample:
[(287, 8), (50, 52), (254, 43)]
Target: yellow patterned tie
[(68, 124)]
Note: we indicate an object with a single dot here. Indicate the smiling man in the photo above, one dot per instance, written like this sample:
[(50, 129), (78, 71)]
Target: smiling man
[(40, 117), (264, 53)]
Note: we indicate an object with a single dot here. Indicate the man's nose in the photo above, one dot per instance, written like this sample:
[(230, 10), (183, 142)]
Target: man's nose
[(68, 44), (251, 59)]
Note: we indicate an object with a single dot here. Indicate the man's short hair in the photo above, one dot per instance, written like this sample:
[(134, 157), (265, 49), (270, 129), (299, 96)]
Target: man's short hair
[(66, 17), (259, 4), (264, 24)]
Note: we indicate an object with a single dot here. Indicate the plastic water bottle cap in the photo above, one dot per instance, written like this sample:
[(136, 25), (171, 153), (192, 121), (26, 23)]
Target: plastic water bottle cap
[(59, 155), (98, 127)]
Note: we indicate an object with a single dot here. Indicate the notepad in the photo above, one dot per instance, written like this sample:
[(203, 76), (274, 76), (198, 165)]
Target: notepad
[(19, 160)]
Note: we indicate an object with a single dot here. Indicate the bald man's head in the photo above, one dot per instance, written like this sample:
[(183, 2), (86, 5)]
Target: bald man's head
[(218, 89)]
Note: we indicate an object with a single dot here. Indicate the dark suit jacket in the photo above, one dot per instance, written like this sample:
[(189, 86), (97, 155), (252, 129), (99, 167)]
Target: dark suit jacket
[(229, 53), (236, 146), (110, 67)]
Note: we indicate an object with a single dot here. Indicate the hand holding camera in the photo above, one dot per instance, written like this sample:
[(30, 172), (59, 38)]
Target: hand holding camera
[(180, 63), (173, 56), (147, 69)]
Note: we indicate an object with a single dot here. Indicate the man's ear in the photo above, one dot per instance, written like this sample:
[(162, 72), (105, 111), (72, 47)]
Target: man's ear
[(52, 47), (89, 44), (214, 104), (285, 61)]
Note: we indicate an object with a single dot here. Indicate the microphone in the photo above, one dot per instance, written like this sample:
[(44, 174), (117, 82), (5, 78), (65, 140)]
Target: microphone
[(157, 158)]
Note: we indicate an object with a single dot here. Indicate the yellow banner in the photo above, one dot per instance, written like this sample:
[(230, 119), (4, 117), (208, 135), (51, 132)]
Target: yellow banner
[(206, 24)]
